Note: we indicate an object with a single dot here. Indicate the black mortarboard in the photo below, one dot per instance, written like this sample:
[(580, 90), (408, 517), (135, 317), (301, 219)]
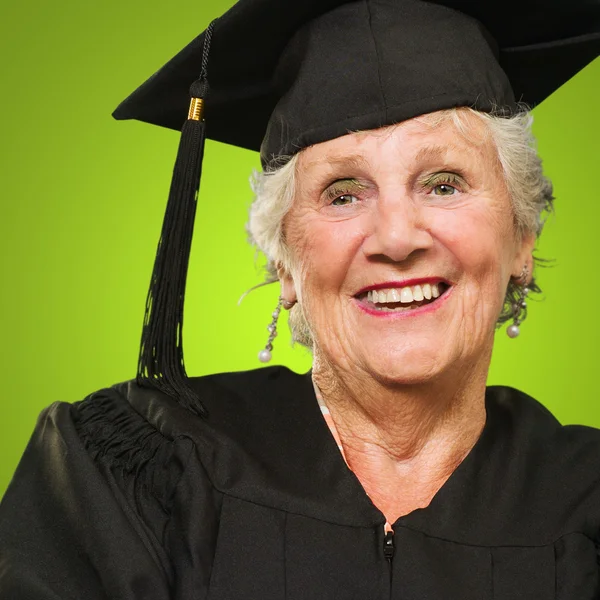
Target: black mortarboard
[(286, 74)]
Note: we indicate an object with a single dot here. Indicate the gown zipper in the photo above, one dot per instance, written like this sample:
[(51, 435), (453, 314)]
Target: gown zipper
[(388, 546), (388, 553)]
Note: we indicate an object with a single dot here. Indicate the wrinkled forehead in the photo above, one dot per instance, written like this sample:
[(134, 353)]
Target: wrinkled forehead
[(456, 136)]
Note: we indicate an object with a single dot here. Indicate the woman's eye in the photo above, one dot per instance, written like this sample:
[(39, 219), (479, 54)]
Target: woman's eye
[(444, 189), (344, 200)]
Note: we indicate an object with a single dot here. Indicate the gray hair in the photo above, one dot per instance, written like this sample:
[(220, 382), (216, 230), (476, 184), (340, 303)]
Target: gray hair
[(530, 192)]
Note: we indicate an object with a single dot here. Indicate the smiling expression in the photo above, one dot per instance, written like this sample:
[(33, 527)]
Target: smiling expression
[(403, 243)]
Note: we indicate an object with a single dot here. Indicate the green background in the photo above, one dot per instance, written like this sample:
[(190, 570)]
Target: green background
[(82, 204)]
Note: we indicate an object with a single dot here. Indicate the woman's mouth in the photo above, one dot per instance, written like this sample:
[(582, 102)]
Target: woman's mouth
[(402, 299)]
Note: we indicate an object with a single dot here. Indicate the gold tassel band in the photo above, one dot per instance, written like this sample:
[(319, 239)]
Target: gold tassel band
[(196, 112)]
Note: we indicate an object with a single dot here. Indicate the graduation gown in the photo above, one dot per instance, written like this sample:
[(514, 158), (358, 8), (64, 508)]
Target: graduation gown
[(127, 496)]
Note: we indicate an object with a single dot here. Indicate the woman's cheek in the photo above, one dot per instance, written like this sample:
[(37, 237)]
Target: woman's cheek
[(330, 248)]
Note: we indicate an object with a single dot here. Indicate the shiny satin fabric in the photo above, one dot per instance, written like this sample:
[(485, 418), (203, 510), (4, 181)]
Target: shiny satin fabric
[(126, 496)]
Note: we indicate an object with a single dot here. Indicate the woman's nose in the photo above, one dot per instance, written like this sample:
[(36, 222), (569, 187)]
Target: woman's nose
[(398, 229)]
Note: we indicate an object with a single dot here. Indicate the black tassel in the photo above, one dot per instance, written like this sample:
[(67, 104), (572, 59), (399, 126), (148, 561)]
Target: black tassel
[(161, 363)]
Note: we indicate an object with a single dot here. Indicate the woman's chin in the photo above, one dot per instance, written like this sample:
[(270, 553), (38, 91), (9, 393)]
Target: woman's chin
[(399, 369)]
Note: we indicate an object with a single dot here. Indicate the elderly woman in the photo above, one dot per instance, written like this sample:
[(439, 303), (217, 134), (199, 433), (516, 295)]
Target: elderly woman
[(399, 207)]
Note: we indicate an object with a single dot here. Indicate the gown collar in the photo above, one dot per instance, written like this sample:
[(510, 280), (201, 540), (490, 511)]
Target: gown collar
[(266, 442)]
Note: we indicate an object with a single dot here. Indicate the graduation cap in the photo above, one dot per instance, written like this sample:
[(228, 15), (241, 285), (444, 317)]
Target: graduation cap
[(277, 76)]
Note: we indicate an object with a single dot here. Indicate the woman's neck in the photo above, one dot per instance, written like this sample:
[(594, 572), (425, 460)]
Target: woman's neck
[(403, 442)]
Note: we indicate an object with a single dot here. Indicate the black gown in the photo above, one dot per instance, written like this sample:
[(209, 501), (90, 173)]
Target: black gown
[(126, 496)]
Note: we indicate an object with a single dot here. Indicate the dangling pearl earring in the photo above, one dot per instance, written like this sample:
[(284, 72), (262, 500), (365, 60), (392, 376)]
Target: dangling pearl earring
[(519, 306), (265, 354)]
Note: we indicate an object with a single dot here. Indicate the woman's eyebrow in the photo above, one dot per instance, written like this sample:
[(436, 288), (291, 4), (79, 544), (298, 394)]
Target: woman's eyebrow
[(429, 153)]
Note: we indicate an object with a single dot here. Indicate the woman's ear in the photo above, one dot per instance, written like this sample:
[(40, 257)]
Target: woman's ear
[(524, 256), (288, 287)]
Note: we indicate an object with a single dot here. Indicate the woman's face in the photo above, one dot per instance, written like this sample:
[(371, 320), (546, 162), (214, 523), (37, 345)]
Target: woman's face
[(382, 222)]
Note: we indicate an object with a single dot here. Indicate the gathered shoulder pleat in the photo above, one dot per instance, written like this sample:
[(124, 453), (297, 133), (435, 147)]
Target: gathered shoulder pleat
[(92, 510)]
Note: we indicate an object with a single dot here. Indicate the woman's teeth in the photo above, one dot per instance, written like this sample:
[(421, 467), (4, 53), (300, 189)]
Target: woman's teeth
[(405, 295)]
